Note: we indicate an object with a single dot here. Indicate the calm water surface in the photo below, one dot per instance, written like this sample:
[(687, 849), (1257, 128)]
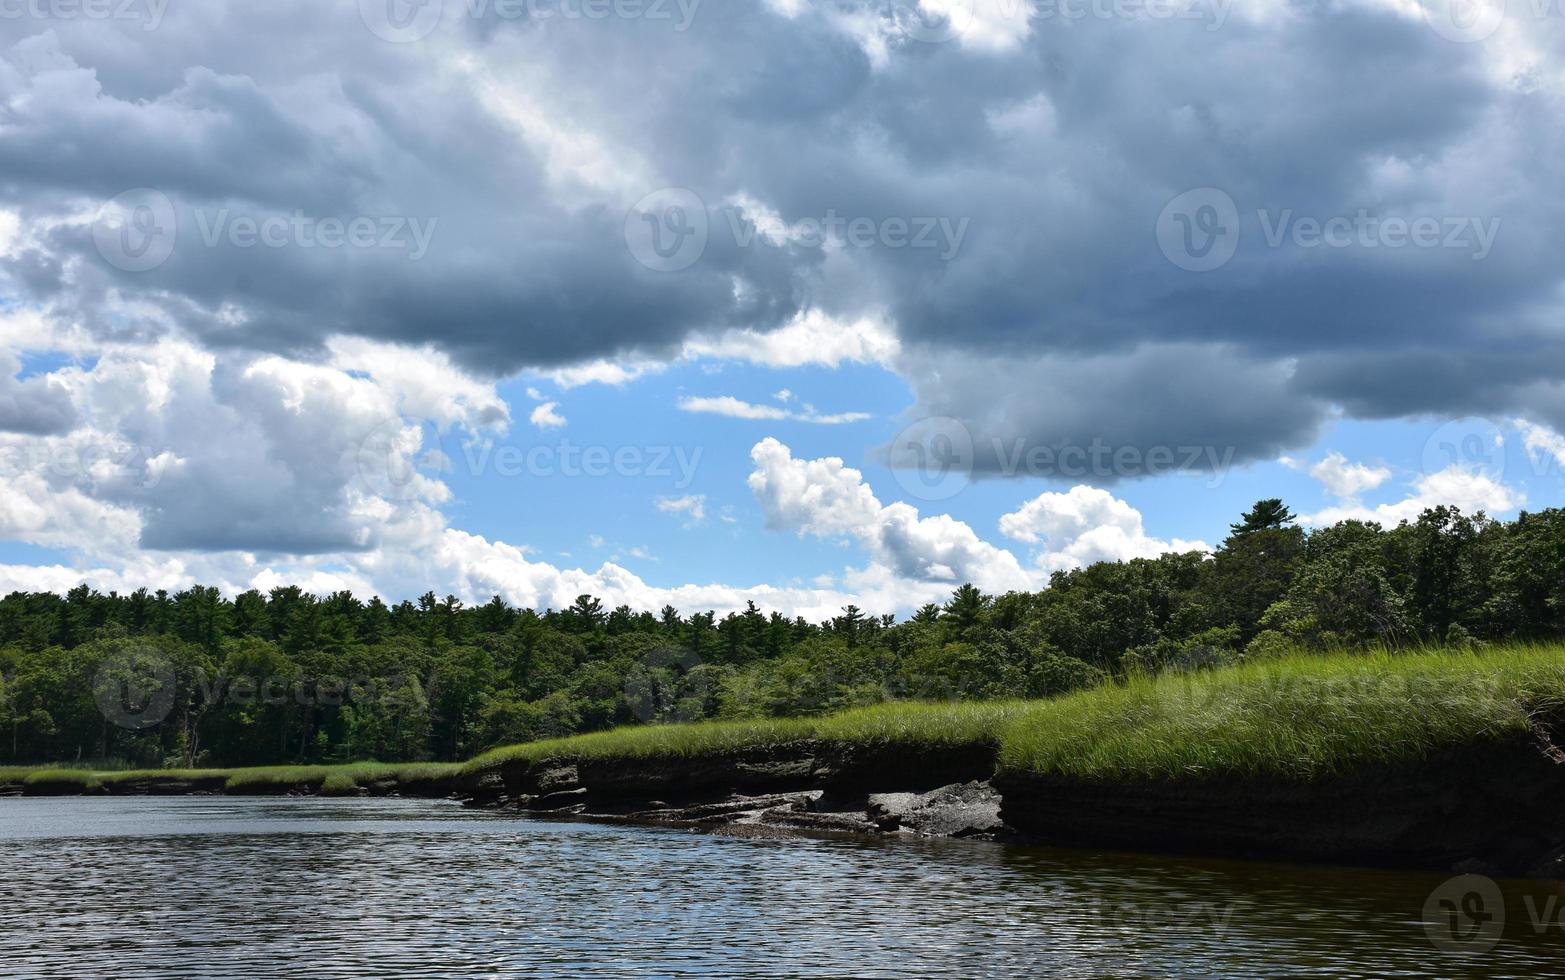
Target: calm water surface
[(215, 887)]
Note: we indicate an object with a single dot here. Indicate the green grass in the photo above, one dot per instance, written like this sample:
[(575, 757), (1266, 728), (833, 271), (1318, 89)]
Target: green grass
[(1296, 717), (1293, 717), (909, 723), (349, 775)]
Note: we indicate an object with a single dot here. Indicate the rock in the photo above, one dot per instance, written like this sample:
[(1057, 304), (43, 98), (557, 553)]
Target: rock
[(959, 810)]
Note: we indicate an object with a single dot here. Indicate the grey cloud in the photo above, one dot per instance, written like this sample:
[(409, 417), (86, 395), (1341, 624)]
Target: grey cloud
[(32, 406), (1058, 320)]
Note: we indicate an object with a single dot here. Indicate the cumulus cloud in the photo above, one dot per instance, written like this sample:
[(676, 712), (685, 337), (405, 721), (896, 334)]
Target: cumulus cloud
[(547, 416), (1471, 490), (1085, 525), (38, 405), (1541, 441), (1058, 301), (1342, 479), (921, 556), (273, 472), (232, 389), (692, 505)]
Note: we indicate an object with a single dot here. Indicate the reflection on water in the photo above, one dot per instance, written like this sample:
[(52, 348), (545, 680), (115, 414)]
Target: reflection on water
[(360, 888)]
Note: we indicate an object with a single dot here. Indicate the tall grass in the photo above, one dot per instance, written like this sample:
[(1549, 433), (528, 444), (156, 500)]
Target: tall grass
[(908, 723), (1296, 717)]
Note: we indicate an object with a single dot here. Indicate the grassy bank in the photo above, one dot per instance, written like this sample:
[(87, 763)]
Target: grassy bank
[(327, 779), (1294, 717)]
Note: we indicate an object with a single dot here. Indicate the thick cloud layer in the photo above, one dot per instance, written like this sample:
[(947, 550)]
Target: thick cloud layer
[(266, 234), (1011, 168)]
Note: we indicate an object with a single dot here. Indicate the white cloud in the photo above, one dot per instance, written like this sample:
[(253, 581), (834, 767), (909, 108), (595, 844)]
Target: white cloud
[(811, 338), (422, 382), (1470, 490), (693, 505), (735, 408), (732, 408), (603, 372), (1086, 525), (911, 557), (547, 416), (1541, 441), (1342, 479)]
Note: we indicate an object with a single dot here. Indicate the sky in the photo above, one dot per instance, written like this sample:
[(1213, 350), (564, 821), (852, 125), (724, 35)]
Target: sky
[(798, 302)]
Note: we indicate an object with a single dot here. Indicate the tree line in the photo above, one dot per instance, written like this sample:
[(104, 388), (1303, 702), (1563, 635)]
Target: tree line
[(197, 678)]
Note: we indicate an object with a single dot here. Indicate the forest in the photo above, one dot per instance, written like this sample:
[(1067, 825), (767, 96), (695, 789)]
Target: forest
[(196, 678)]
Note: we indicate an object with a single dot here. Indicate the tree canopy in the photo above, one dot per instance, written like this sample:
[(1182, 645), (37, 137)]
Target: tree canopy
[(288, 676)]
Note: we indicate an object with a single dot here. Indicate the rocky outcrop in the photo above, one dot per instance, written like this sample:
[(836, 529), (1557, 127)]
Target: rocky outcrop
[(801, 787)]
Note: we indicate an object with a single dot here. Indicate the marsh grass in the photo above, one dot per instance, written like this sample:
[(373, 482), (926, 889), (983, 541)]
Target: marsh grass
[(1298, 716), (1295, 717)]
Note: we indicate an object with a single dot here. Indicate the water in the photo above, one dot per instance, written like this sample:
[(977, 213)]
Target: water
[(217, 887)]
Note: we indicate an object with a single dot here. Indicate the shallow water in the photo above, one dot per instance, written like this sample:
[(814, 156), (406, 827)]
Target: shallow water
[(219, 887)]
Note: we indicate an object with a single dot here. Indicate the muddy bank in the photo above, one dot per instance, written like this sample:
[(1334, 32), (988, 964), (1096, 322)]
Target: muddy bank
[(1496, 807)]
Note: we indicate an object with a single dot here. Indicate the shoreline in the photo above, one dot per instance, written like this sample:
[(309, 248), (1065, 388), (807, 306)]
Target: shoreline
[(1492, 807), (1440, 760)]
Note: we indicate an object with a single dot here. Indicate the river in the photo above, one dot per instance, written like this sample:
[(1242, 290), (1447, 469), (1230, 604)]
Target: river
[(223, 887)]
